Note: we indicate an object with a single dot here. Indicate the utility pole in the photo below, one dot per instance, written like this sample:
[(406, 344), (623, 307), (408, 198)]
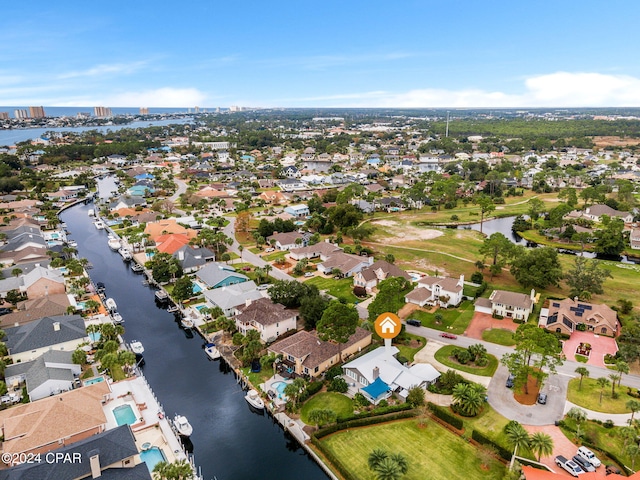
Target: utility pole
[(447, 131)]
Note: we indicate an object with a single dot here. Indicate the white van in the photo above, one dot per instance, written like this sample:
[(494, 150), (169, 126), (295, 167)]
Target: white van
[(589, 456)]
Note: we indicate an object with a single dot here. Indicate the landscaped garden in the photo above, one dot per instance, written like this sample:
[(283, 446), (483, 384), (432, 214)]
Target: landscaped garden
[(589, 396), (432, 451), (454, 320), (446, 356), (339, 404), (411, 345)]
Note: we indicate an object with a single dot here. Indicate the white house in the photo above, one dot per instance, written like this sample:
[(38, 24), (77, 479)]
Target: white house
[(507, 304), (345, 263), (287, 240), (442, 291), (298, 211), (268, 318), (369, 277)]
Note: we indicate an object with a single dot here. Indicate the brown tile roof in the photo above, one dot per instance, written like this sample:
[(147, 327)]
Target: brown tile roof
[(321, 248), (264, 312), (30, 310), (343, 261), (388, 269), (28, 426), (285, 238), (419, 294), (593, 314)]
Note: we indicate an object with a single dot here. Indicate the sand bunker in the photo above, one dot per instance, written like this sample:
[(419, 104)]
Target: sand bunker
[(407, 232)]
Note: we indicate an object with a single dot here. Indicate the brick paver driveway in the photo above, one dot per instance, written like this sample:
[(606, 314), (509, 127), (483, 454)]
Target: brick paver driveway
[(484, 321), (600, 346), (561, 446)]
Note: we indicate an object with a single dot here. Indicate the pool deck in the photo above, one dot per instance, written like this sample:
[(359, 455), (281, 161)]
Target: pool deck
[(268, 385), (151, 428)]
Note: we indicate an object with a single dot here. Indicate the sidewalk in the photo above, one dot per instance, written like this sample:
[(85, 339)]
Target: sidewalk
[(619, 419)]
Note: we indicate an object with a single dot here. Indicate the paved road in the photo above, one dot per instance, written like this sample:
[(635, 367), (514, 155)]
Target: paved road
[(182, 187)]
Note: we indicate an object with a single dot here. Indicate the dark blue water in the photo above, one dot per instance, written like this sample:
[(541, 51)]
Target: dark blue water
[(230, 441)]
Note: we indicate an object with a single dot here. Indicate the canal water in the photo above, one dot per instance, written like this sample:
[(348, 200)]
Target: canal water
[(229, 440)]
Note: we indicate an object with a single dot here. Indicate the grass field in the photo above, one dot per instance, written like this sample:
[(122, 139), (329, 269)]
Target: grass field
[(342, 289), (457, 318), (589, 396), (408, 351), (432, 451), (338, 403), (443, 354), (501, 336), (607, 438)]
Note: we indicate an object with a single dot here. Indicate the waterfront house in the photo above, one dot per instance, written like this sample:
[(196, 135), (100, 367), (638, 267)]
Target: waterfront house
[(347, 264), (53, 422), (233, 296), (37, 283), (51, 373), (216, 275), (30, 310), (595, 212), (127, 201), (166, 226), (564, 316), (108, 455), (442, 291), (370, 276), (303, 353), (270, 319), (61, 332), (193, 258), (378, 374), (502, 303)]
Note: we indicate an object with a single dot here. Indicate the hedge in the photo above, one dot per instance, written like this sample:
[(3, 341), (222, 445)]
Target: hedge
[(445, 415), (375, 412), (362, 422), (484, 440)]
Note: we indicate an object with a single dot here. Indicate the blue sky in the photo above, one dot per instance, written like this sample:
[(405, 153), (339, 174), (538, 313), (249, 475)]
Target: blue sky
[(446, 53)]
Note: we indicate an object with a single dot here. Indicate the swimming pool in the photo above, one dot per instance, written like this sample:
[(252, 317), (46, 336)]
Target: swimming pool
[(124, 415), (196, 288), (200, 307), (152, 457), (93, 380), (94, 336), (279, 387)]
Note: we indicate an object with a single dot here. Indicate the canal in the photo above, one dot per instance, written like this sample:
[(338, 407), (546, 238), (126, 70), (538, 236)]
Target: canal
[(229, 440)]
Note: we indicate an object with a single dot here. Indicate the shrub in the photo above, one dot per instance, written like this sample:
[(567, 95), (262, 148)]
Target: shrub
[(608, 424), (237, 338), (383, 403), (581, 327), (454, 218), (463, 356), (484, 440), (333, 372), (360, 291), (477, 277), (444, 415), (338, 384), (313, 388)]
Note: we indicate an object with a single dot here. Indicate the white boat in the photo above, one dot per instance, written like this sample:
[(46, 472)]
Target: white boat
[(114, 243), (212, 351), (161, 295), (117, 318), (99, 224), (91, 212), (136, 347), (72, 243), (173, 309), (186, 322), (110, 304), (125, 254), (182, 425), (253, 398), (137, 268)]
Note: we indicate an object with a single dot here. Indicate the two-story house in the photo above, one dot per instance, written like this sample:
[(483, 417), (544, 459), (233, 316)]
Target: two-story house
[(369, 277), (268, 318), (563, 316), (507, 304), (442, 291)]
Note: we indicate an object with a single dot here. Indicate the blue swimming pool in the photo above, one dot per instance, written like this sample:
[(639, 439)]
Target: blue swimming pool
[(196, 288), (152, 457), (94, 336), (279, 387), (124, 415), (91, 381)]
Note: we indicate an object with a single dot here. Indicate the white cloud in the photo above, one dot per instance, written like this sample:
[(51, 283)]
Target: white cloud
[(560, 89), (160, 97), (106, 70)]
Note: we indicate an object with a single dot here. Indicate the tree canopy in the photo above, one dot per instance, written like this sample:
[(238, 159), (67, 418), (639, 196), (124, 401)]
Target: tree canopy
[(536, 267)]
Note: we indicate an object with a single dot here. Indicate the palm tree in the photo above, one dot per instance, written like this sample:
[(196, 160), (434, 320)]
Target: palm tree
[(614, 378), (622, 367), (583, 372), (387, 469), (577, 415), (518, 437), (375, 457), (602, 383), (321, 416), (469, 398), (632, 450), (634, 406), (541, 444), (402, 462), (178, 470)]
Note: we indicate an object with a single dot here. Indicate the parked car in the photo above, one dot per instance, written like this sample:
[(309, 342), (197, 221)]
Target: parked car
[(569, 465), (308, 274), (414, 322), (610, 469), (510, 379), (585, 465), (448, 335), (542, 398), (589, 456), (269, 250), (5, 311)]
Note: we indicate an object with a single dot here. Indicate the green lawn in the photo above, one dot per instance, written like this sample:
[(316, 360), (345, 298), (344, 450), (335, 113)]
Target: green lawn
[(443, 354), (606, 438), (501, 336), (458, 318), (432, 451), (589, 396), (341, 289), (260, 377), (407, 351), (338, 403)]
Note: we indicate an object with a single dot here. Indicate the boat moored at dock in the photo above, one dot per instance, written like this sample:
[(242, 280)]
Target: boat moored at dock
[(182, 425)]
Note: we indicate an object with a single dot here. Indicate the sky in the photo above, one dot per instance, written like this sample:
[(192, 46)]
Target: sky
[(347, 53)]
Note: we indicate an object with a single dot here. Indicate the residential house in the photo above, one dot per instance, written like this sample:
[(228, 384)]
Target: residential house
[(564, 316), (54, 422), (442, 291), (38, 282), (320, 249), (364, 206), (193, 258), (171, 243), (291, 185), (270, 319), (389, 204), (62, 195), (51, 373), (140, 190), (347, 264), (291, 172), (231, 297), (108, 455), (595, 212), (507, 304), (370, 276), (378, 374), (287, 240), (61, 332), (30, 310), (634, 238), (273, 197), (303, 353), (299, 211), (217, 275), (169, 225), (126, 201)]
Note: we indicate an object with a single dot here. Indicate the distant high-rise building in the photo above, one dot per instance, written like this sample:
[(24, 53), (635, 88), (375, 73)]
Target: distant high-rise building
[(36, 112), (196, 109), (4, 115), (20, 114), (102, 112), (144, 111)]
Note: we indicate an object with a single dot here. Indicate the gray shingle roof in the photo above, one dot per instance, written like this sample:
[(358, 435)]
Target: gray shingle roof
[(41, 333), (214, 273)]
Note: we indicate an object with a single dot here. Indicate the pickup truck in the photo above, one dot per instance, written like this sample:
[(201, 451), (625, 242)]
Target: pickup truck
[(569, 465)]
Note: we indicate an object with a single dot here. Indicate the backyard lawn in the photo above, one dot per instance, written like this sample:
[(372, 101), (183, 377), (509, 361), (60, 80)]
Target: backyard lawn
[(409, 351), (341, 289), (501, 336), (443, 354), (457, 318), (431, 450), (340, 404), (589, 396)]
